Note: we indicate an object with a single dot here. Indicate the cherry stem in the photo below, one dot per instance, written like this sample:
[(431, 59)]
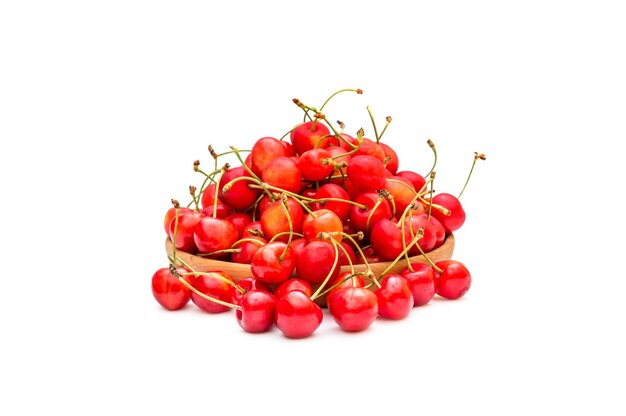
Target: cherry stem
[(404, 248), (247, 240), (336, 285), (256, 204), (277, 236), (286, 134), (283, 204), (369, 273), (175, 229), (430, 202), (476, 157), (374, 208), (406, 185), (369, 111), (343, 249), (236, 152), (217, 276), (330, 273), (217, 190), (434, 149), (385, 194), (347, 201), (357, 90), (388, 121), (175, 273), (232, 151), (433, 265), (192, 192), (420, 234)]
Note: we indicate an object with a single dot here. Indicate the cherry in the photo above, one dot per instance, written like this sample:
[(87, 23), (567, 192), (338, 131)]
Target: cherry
[(370, 148), (184, 230), (240, 221), (392, 157), (416, 179), (258, 311), (215, 288), (452, 279), (274, 219), (315, 164), (377, 208), (340, 158), (170, 214), (208, 196), (351, 258), (394, 297), (273, 263), (297, 246), (402, 191), (337, 193), (291, 285), (168, 290), (421, 280), (214, 234), (440, 231), (283, 173), (344, 280), (354, 308), (386, 239), (297, 316), (246, 249), (264, 151), (253, 229), (307, 135), (248, 284), (321, 220), (412, 225), (316, 262), (239, 195), (456, 217), (223, 210), (366, 173)]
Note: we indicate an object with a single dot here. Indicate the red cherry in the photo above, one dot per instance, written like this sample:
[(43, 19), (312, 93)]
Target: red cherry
[(309, 192), (283, 173), (371, 148), (247, 250), (223, 210), (394, 297), (343, 158), (208, 196), (185, 231), (440, 231), (169, 291), (214, 234), (386, 239), (366, 173), (274, 219), (307, 135), (355, 281), (258, 311), (359, 216), (289, 148), (170, 214), (315, 164), (248, 284), (416, 179), (316, 262), (291, 285), (322, 220), (297, 246), (421, 282), (253, 229), (403, 193), (240, 221), (354, 308), (268, 267), (297, 316), (215, 288), (392, 156), (343, 260), (331, 190), (454, 280), (427, 242), (240, 196), (264, 151), (455, 220)]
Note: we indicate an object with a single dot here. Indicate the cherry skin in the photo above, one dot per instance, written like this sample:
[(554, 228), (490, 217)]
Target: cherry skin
[(454, 280), (240, 221), (343, 260), (331, 190), (355, 281), (315, 164), (359, 216), (421, 282), (366, 173), (254, 229), (291, 285), (440, 231), (247, 250), (316, 261), (455, 220), (307, 135), (416, 179), (274, 219), (258, 311), (297, 316), (214, 234), (240, 196), (371, 148), (169, 291), (215, 288), (403, 193), (223, 210), (208, 196), (185, 231), (386, 239), (354, 308), (297, 246), (343, 158), (248, 284), (427, 242), (394, 297), (268, 267), (392, 164), (170, 214), (264, 151), (322, 220), (283, 173)]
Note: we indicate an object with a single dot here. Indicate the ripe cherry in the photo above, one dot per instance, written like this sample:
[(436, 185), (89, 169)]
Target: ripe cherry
[(208, 196), (366, 173), (223, 210), (297, 316), (455, 220), (411, 227), (264, 151), (273, 263), (386, 239), (184, 230), (169, 291), (240, 221), (283, 173), (371, 148), (274, 219), (392, 157), (215, 288), (321, 220), (453, 281), (354, 308), (291, 285), (248, 284), (376, 209), (307, 135), (258, 311), (170, 214), (214, 234), (337, 193), (394, 297), (416, 179), (315, 164), (344, 280), (402, 191), (246, 249), (239, 196), (316, 262), (421, 281)]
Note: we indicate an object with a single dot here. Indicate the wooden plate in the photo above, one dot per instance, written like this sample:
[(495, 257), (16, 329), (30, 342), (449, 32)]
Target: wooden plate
[(240, 271)]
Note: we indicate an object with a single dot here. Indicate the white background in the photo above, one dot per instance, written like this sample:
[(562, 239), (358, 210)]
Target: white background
[(105, 105)]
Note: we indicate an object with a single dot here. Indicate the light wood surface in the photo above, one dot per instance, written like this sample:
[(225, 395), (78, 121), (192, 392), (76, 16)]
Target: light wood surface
[(240, 271)]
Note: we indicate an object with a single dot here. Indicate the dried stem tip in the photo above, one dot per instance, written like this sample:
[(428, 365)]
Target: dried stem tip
[(212, 152), (320, 116), (192, 190), (359, 91), (298, 103), (175, 203), (431, 144), (195, 165), (388, 118), (480, 156)]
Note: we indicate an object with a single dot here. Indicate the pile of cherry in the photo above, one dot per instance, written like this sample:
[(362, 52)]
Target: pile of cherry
[(298, 210)]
